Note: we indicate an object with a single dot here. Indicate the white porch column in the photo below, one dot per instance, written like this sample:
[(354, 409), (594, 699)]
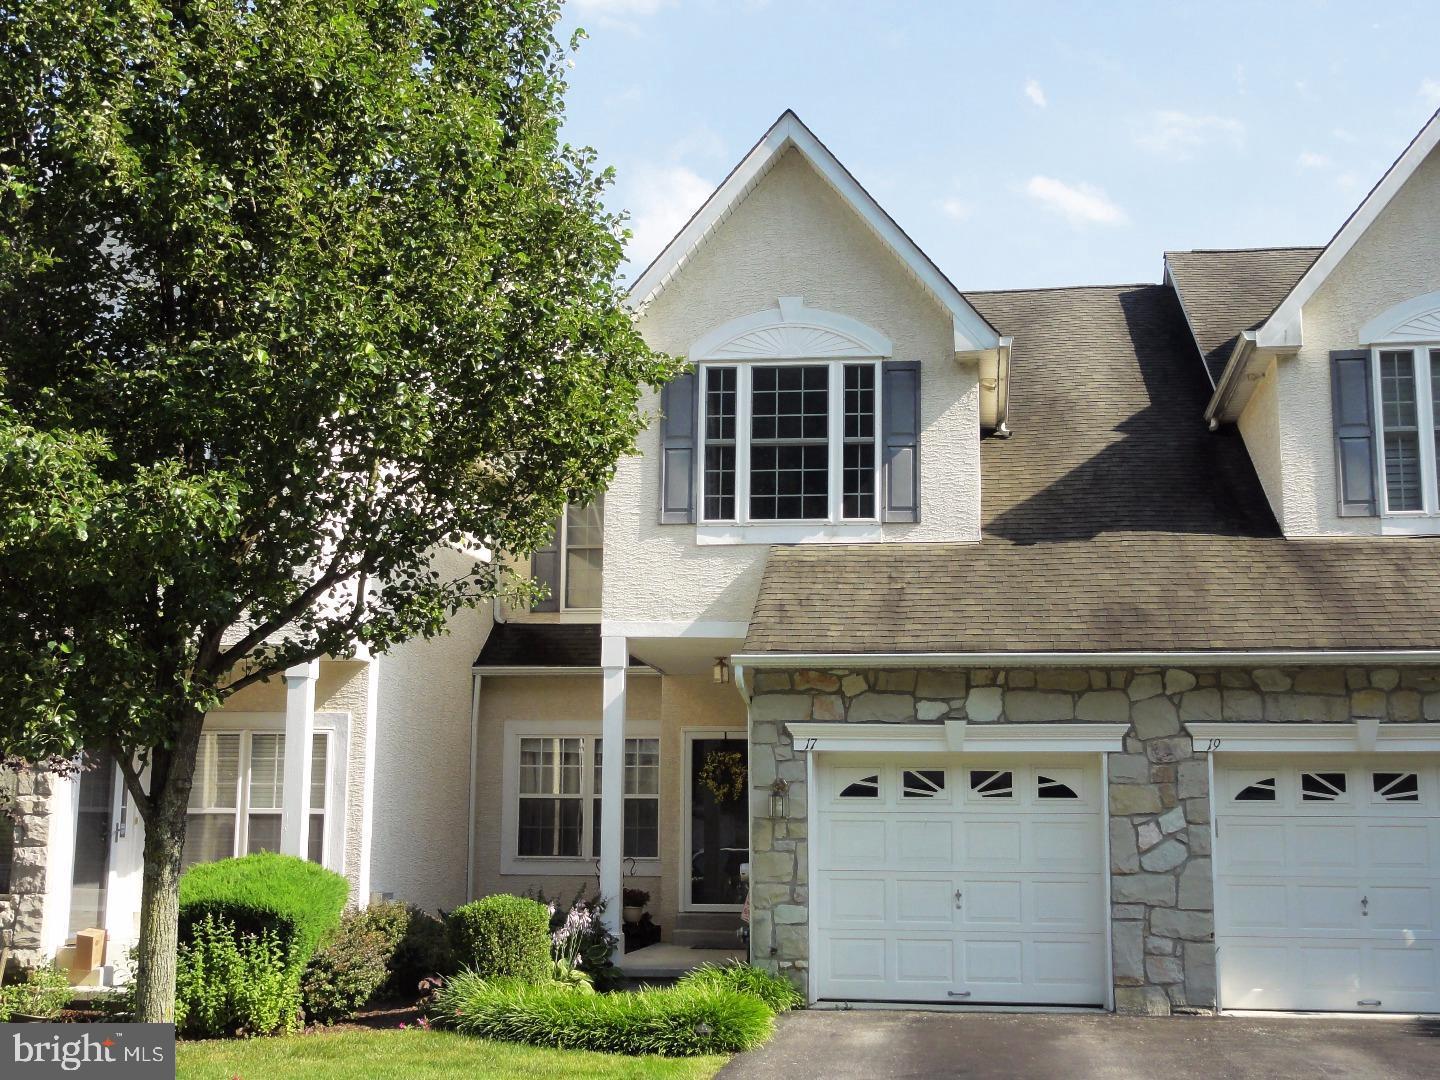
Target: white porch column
[(299, 740), (613, 657)]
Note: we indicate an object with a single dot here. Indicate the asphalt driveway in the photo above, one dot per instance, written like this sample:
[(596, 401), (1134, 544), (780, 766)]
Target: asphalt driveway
[(872, 1044)]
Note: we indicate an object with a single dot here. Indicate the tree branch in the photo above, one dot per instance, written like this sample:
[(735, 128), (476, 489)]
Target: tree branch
[(131, 776)]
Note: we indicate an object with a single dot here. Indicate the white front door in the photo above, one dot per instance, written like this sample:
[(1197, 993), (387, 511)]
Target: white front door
[(1328, 883), (122, 897), (959, 879)]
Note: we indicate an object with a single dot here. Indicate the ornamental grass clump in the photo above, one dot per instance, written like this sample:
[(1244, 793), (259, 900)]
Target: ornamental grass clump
[(776, 992), (680, 1021)]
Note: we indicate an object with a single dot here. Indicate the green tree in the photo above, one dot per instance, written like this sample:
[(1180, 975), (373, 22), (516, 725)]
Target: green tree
[(295, 292)]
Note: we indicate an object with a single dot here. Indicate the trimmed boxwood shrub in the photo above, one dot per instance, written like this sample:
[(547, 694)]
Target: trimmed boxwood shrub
[(775, 991), (502, 937), (275, 910), (681, 1021), (296, 900)]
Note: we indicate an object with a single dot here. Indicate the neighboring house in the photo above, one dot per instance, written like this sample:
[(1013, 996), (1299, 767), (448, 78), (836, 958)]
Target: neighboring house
[(1051, 647)]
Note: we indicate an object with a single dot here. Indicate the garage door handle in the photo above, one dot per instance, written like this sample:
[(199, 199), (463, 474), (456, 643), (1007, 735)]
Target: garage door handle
[(1369, 1003), (1364, 905), (964, 993), (959, 898)]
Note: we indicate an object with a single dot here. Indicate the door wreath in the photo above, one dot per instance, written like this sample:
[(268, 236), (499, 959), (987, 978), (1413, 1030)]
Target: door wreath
[(723, 775)]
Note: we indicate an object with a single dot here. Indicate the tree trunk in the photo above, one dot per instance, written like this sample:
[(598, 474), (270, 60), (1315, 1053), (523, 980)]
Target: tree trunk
[(171, 774)]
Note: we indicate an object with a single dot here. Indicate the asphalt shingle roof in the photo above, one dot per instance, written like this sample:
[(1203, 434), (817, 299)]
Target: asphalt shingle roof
[(1225, 292), (513, 644), (1112, 520)]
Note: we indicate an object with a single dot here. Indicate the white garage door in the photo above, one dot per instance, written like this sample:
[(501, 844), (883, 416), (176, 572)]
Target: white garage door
[(1328, 875), (960, 880)]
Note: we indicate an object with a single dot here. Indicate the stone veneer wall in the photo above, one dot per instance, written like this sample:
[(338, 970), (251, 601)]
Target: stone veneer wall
[(22, 909), (1162, 907)]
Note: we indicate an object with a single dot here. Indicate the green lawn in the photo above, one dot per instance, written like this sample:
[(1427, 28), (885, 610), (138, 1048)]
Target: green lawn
[(417, 1055)]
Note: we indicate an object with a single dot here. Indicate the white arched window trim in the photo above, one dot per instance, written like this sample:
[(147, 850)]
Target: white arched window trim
[(1404, 344), (791, 331)]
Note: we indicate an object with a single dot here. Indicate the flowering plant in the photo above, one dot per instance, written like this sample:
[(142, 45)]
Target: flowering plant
[(578, 937)]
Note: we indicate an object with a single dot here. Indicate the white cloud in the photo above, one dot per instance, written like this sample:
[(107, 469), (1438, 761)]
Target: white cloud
[(1179, 135), (957, 209), (1430, 92), (1036, 93), (1348, 181), (1309, 159), (1079, 204), (1341, 135), (662, 199), (702, 142)]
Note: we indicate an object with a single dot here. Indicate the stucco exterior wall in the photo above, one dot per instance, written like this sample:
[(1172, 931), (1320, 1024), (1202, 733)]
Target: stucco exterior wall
[(1260, 428), (791, 236), (421, 791), (674, 703), (1162, 904), (1396, 259)]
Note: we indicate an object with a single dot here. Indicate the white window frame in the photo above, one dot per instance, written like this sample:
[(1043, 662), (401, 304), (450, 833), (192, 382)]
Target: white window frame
[(562, 572), (335, 727), (1427, 518), (511, 861), (834, 435)]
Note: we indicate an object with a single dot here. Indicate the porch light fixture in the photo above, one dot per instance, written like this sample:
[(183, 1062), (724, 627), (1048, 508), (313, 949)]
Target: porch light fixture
[(778, 791), (721, 672)]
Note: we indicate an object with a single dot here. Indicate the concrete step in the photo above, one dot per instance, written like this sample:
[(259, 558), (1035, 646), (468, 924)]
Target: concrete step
[(707, 930)]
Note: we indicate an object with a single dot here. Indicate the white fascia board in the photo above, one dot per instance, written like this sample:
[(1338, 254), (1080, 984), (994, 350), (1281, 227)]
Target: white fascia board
[(972, 332), (1283, 328), (1316, 738), (550, 672), (1192, 658), (1079, 738), (677, 628)]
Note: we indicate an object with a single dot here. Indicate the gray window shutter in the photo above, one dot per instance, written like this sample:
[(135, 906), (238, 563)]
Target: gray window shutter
[(900, 447), (1352, 403), (677, 450), (545, 568)]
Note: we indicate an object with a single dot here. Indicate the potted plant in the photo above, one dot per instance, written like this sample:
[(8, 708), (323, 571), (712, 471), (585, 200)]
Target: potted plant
[(634, 908)]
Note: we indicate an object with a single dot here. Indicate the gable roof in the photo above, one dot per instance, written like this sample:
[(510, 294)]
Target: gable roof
[(1226, 292), (1282, 328), (1113, 521), (972, 332)]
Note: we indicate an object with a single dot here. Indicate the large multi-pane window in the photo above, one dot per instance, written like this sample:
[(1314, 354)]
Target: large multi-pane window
[(1408, 387), (236, 799), (789, 442), (559, 797)]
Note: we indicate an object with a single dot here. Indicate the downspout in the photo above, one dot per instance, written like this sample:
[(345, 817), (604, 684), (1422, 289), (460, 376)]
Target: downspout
[(1002, 389), (474, 782)]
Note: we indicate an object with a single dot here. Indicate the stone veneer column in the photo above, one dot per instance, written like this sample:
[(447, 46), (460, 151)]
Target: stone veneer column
[(1162, 900), (23, 908)]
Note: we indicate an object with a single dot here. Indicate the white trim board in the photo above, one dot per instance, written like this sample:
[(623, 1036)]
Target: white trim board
[(972, 332), (954, 736), (1367, 735), (1194, 658)]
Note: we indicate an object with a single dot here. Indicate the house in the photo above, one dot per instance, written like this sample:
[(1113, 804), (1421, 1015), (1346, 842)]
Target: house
[(1042, 647)]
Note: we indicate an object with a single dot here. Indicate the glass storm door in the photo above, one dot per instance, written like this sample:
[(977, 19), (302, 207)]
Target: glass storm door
[(92, 843), (719, 821)]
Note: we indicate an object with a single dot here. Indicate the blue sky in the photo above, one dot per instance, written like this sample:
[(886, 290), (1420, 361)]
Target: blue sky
[(1020, 144)]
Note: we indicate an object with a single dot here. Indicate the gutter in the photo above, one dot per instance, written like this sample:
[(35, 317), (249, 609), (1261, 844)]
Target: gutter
[(548, 671), (1191, 657), (1230, 378)]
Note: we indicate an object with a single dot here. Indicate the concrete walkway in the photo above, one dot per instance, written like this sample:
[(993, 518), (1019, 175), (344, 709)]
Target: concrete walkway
[(869, 1044)]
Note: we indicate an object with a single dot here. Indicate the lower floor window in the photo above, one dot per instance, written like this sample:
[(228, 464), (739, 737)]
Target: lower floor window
[(559, 793), (237, 796)]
